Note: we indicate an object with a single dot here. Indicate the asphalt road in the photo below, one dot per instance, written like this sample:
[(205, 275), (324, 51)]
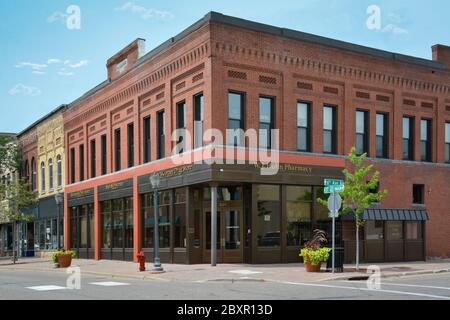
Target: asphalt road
[(26, 285)]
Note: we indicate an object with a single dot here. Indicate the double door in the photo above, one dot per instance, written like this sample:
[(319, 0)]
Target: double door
[(229, 235)]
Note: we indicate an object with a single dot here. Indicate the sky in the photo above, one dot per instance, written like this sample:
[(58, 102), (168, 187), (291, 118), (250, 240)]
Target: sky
[(50, 57)]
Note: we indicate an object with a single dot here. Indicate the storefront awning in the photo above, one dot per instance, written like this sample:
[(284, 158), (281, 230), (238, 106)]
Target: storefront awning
[(390, 215)]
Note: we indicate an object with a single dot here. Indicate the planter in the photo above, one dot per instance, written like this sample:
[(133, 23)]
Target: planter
[(310, 267), (64, 260)]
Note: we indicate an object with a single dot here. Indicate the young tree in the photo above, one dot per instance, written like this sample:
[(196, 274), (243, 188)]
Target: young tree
[(15, 194), (359, 191)]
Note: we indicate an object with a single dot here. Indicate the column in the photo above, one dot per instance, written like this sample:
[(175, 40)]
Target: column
[(213, 225), (136, 220), (97, 227)]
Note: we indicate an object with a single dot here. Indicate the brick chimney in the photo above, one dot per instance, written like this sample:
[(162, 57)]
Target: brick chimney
[(124, 60), (441, 54)]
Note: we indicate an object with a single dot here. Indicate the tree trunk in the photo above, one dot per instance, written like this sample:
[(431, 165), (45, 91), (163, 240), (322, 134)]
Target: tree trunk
[(14, 236), (357, 246)]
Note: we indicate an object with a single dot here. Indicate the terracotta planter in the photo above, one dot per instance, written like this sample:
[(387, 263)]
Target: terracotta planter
[(312, 268), (65, 260)]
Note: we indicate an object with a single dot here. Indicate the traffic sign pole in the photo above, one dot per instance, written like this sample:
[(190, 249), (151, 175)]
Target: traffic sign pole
[(333, 232)]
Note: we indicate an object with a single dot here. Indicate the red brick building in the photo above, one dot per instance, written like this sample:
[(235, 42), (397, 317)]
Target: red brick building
[(323, 95)]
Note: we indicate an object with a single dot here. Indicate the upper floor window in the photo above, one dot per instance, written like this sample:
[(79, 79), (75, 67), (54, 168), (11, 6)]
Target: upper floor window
[(104, 154), (72, 165), (408, 138), (33, 174), (303, 126), (93, 159), (425, 140), (329, 130), (236, 102), (198, 120), (161, 134), (146, 141), (59, 170), (361, 132), (382, 135), (42, 177), (117, 150), (266, 121), (418, 194), (181, 125), (447, 142), (81, 157), (50, 174), (130, 149)]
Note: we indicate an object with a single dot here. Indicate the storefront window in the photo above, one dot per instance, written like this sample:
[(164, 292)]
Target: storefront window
[(55, 233), (117, 216), (180, 218), (268, 217), (298, 207), (129, 223), (374, 230), (414, 230), (83, 227), (163, 219), (147, 215), (107, 226), (394, 230)]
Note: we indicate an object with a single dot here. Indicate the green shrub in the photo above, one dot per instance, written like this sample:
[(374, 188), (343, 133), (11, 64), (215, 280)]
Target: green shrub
[(315, 256), (56, 254)]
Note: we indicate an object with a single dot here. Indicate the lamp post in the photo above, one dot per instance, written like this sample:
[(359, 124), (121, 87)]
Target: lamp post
[(59, 198), (155, 180)]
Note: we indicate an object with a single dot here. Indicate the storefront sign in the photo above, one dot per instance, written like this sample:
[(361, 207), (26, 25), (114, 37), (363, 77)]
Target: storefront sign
[(286, 167), (175, 171)]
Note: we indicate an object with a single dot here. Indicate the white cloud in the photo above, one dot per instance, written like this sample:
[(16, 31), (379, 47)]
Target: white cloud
[(57, 16), (33, 66), (145, 13), (64, 73), (21, 89), (53, 61), (392, 28), (38, 72), (79, 64)]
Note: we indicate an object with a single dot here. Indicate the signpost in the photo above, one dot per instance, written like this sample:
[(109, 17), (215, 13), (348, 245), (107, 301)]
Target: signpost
[(334, 187)]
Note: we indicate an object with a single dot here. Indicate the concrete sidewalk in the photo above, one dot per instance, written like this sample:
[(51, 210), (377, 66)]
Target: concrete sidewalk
[(227, 272)]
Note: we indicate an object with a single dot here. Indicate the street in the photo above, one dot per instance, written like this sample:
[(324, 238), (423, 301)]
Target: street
[(30, 285)]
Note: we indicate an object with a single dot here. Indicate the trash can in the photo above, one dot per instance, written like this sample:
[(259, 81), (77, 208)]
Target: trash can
[(338, 261)]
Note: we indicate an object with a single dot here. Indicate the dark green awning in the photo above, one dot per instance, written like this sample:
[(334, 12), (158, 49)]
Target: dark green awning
[(390, 215)]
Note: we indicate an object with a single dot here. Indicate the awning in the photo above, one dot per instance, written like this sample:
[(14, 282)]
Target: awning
[(390, 215)]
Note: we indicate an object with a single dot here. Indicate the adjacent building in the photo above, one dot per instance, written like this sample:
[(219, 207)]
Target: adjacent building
[(324, 96)]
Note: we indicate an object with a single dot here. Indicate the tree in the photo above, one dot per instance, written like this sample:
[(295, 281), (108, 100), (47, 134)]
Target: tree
[(15, 192), (359, 191)]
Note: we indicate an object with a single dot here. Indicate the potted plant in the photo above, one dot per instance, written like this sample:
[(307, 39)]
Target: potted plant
[(63, 258), (313, 253)]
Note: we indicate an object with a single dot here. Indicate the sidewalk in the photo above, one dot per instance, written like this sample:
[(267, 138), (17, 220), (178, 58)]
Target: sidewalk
[(226, 272)]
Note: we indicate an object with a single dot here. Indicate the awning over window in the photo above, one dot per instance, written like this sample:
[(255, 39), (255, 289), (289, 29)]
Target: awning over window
[(390, 215)]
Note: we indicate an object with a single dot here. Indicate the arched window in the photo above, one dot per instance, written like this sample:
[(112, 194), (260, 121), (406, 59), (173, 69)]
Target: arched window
[(50, 174), (33, 174), (59, 168), (26, 171), (42, 177)]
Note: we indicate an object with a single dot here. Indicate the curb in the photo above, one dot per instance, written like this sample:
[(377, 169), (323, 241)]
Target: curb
[(390, 275)]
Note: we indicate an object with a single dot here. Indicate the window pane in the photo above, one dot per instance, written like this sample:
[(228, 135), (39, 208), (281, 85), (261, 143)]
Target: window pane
[(374, 230), (234, 106), (302, 141), (327, 141), (380, 124), (268, 218), (302, 114), (359, 144), (265, 110), (394, 230), (423, 130), (413, 230), (447, 133), (406, 124), (328, 118), (360, 119), (298, 208), (380, 147)]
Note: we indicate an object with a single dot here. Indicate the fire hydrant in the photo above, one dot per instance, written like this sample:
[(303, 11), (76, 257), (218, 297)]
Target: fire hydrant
[(141, 260)]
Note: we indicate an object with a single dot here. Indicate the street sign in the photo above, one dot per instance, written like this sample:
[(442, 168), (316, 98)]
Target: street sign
[(334, 189), (333, 182), (334, 203)]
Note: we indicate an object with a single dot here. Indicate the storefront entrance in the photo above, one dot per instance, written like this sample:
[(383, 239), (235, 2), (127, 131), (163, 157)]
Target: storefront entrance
[(229, 235)]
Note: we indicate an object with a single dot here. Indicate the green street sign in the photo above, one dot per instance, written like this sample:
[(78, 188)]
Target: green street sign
[(333, 182), (334, 189)]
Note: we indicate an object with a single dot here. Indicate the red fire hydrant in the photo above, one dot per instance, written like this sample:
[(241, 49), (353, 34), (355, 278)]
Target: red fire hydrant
[(141, 260)]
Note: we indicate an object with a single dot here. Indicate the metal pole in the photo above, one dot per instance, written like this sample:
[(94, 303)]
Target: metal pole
[(157, 263), (213, 226), (333, 232), (58, 231)]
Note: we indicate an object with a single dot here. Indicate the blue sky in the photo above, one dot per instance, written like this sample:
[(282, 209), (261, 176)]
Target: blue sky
[(45, 64)]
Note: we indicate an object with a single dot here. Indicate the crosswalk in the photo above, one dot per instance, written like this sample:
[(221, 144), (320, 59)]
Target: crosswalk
[(54, 287)]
